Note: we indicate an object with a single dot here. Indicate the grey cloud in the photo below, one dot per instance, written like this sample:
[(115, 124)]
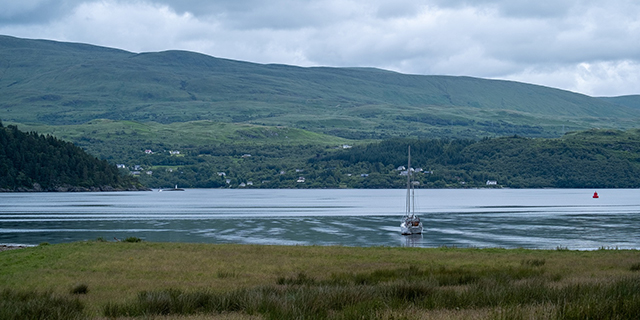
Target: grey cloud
[(518, 8), (35, 11), (398, 9), (255, 14), (574, 44)]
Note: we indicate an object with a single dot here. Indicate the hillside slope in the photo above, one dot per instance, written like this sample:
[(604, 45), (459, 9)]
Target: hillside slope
[(631, 101), (65, 83), (32, 162)]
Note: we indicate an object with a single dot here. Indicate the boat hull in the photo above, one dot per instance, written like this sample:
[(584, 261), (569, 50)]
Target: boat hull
[(408, 228)]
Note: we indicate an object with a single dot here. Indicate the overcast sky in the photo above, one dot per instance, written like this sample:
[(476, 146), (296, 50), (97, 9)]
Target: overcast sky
[(588, 46)]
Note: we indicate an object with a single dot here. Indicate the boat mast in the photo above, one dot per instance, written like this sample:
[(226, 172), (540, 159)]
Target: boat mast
[(413, 199), (409, 183)]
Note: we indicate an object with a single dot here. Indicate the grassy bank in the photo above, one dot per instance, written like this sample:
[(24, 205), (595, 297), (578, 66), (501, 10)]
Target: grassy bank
[(172, 280)]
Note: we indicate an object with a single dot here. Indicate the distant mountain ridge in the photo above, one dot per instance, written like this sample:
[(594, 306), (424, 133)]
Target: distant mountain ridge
[(631, 101), (61, 83)]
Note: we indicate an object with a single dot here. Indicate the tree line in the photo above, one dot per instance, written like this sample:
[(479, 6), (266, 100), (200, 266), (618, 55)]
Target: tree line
[(33, 162)]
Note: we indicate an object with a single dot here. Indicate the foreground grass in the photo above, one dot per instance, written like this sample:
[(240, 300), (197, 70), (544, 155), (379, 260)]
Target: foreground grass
[(193, 281)]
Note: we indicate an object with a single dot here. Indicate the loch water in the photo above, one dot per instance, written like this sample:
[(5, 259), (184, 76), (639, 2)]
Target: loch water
[(505, 218)]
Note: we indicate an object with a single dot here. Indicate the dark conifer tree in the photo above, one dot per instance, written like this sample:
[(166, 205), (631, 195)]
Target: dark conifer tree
[(32, 161)]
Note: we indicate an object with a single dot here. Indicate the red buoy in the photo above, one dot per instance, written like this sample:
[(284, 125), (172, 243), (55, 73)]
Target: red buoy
[(595, 195)]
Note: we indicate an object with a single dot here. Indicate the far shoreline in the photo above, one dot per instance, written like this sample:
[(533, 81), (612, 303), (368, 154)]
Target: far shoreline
[(74, 189), (7, 247)]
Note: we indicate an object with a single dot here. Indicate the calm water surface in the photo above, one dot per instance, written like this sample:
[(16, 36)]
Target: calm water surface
[(509, 218)]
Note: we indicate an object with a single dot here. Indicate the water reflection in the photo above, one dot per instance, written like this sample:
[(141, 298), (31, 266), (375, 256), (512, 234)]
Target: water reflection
[(413, 240)]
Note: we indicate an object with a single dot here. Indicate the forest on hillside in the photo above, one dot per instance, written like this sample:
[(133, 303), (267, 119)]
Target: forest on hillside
[(588, 159), (572, 162), (583, 159), (33, 162)]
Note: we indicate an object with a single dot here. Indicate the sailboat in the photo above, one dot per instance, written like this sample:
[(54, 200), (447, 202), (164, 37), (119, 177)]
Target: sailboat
[(411, 223)]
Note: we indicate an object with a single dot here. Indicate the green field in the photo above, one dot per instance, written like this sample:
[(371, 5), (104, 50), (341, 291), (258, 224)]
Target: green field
[(197, 281)]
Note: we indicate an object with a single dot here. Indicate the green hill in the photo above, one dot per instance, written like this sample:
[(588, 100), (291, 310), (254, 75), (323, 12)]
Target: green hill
[(51, 83), (294, 122)]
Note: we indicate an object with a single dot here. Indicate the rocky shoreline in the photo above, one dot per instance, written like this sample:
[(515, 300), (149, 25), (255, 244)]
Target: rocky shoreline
[(37, 188), (4, 247)]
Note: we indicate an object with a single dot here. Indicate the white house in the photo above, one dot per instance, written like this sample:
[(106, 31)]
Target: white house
[(492, 182)]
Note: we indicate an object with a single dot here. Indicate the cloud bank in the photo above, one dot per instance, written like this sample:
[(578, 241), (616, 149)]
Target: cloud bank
[(586, 46)]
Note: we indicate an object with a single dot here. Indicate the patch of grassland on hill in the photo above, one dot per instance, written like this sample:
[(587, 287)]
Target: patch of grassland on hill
[(202, 132), (172, 280)]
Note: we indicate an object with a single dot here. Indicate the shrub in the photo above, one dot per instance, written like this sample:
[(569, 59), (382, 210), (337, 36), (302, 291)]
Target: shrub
[(132, 239), (80, 289)]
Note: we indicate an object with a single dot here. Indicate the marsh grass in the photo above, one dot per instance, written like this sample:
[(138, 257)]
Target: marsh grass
[(512, 292), (226, 274), (35, 305), (533, 262), (197, 281)]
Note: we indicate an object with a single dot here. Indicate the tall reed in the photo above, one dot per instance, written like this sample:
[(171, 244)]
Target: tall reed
[(510, 292)]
